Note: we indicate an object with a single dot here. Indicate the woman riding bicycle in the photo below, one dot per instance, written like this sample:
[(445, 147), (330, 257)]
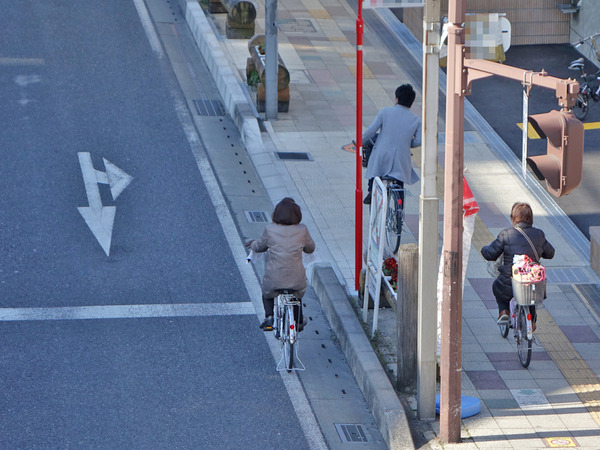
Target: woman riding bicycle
[(285, 239), (511, 242)]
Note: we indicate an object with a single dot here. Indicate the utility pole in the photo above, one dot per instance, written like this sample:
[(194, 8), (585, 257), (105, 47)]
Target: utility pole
[(428, 218), (450, 355)]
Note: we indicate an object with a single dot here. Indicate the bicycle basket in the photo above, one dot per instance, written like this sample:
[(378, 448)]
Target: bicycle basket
[(528, 294)]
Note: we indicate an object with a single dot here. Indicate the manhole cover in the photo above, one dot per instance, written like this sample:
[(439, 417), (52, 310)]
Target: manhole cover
[(351, 433)]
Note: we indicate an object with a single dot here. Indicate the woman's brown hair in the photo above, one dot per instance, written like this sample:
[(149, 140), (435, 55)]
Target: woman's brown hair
[(287, 212), (521, 212)]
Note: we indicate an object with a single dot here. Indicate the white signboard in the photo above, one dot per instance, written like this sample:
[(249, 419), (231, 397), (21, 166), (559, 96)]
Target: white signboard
[(375, 250), (393, 3)]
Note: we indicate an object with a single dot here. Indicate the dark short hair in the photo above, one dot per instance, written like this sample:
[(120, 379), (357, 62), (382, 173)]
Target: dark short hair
[(521, 212), (287, 212), (405, 95)]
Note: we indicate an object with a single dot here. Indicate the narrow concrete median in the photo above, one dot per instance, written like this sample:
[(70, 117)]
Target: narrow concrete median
[(379, 394)]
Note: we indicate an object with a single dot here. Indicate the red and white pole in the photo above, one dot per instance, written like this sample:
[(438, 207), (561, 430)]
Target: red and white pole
[(358, 200)]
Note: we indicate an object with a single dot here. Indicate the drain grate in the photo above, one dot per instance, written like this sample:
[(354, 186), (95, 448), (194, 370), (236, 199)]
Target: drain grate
[(294, 156), (257, 216), (209, 107), (351, 433), (296, 26)]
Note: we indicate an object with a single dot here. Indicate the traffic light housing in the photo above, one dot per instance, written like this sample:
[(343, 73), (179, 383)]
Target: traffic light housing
[(562, 165)]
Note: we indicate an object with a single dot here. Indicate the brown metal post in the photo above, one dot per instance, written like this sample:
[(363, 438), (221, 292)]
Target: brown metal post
[(450, 354)]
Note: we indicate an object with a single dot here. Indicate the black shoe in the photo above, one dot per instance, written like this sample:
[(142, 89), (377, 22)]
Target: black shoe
[(267, 325), (367, 200)]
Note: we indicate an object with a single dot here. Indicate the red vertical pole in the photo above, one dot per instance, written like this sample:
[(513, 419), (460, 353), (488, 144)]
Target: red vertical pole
[(358, 199)]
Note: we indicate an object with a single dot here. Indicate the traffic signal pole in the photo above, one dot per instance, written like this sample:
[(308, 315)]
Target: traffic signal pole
[(566, 90), (451, 339), (461, 73)]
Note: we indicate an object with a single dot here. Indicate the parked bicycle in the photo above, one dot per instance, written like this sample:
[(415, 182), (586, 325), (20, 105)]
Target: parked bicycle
[(589, 88), (286, 329), (526, 295)]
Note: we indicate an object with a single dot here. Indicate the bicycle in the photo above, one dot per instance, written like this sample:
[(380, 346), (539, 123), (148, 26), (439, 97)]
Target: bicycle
[(589, 89), (285, 328), (394, 218), (526, 294)]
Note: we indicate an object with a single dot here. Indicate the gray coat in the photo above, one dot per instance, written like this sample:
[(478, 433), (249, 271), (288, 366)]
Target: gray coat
[(285, 244), (400, 131)]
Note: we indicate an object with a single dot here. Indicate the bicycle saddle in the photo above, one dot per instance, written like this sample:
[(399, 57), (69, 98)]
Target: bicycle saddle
[(285, 291), (388, 178), (577, 64)]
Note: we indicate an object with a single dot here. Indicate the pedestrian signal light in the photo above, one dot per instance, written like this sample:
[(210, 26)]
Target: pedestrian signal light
[(562, 165)]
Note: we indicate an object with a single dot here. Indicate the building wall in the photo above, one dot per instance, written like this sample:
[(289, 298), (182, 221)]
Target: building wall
[(533, 21), (585, 23)]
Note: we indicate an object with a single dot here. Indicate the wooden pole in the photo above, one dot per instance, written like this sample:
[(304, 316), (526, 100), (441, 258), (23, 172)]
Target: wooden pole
[(407, 311)]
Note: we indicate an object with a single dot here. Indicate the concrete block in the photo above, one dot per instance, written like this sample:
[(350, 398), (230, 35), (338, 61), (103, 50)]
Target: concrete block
[(595, 248)]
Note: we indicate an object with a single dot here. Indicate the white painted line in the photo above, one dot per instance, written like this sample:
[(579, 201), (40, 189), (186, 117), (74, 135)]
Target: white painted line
[(149, 28), (127, 311), (22, 61)]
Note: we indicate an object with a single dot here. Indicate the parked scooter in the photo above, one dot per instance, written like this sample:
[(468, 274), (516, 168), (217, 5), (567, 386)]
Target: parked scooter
[(589, 88)]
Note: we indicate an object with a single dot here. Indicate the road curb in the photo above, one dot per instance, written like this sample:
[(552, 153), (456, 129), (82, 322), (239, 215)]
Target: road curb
[(375, 385)]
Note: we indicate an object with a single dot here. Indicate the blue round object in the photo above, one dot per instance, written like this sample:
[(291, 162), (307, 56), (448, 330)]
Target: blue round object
[(469, 406)]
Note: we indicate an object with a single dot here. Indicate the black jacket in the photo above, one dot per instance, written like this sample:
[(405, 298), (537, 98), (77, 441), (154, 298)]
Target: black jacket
[(511, 242)]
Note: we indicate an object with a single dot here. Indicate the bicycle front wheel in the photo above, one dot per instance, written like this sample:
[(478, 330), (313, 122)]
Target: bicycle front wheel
[(393, 221), (504, 329), (523, 343), (581, 106)]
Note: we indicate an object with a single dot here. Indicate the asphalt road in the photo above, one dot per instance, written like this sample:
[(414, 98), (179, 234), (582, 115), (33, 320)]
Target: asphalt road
[(75, 373), (500, 102)]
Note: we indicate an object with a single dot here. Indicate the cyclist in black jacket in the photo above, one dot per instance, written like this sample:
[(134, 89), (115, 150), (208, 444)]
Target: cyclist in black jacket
[(511, 242)]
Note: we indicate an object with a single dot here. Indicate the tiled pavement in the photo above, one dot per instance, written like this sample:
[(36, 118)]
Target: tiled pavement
[(558, 397)]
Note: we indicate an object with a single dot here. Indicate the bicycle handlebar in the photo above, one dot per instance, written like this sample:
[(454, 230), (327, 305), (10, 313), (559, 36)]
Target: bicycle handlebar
[(583, 40)]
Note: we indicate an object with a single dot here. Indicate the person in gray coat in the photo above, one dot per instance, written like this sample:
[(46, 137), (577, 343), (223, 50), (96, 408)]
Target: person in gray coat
[(284, 240), (399, 131)]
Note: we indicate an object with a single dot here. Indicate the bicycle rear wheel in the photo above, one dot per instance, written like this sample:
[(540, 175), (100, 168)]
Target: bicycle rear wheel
[(290, 339), (393, 220), (523, 343), (581, 106)]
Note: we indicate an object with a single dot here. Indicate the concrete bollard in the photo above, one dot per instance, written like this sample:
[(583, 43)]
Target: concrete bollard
[(407, 315), (240, 18), (257, 62)]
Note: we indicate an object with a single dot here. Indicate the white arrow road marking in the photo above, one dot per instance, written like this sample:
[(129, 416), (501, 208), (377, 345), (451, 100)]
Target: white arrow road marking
[(100, 218), (117, 178)]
